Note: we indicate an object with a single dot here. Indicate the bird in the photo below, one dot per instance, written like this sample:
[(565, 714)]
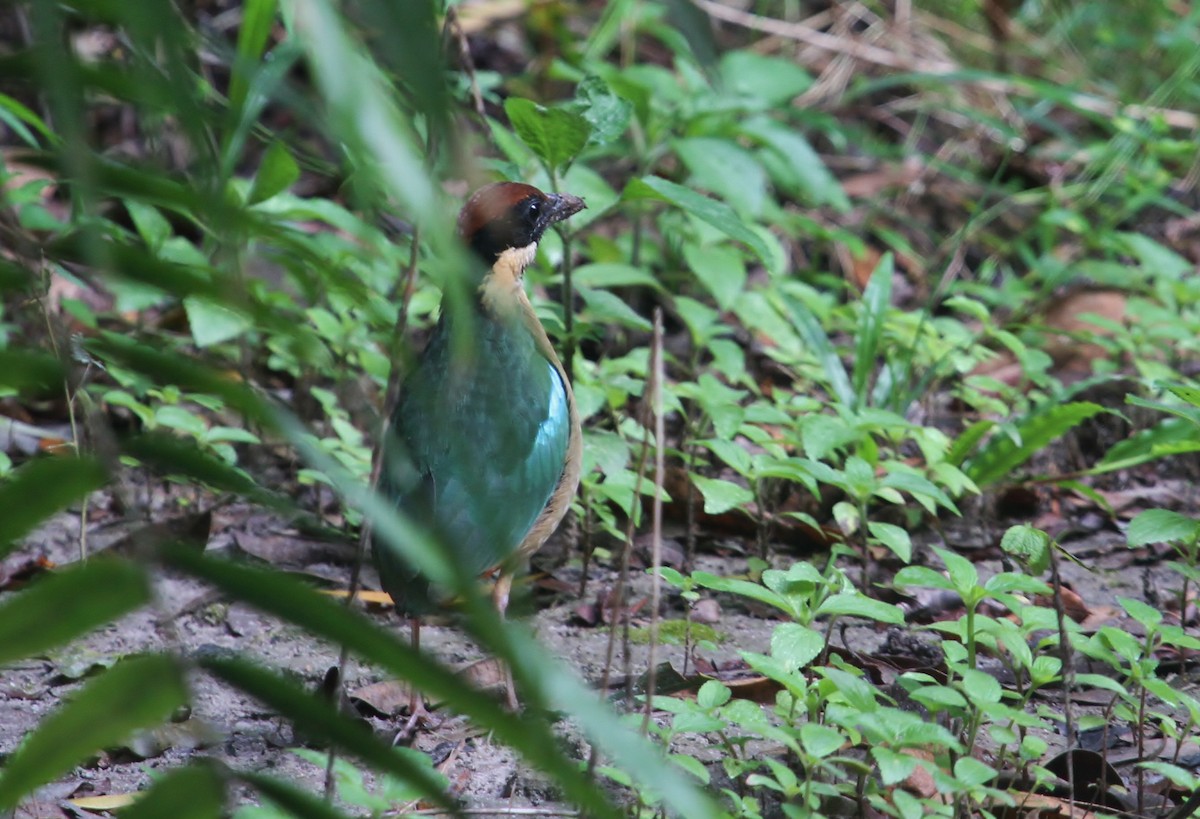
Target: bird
[(484, 447)]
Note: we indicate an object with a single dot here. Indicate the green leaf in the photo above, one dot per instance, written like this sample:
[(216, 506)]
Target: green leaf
[(606, 113), (820, 740), (1161, 526), (720, 269), (726, 169), (42, 487), (135, 693), (922, 576), (287, 796), (962, 572), (892, 536), (1171, 436), (795, 645), (1145, 614), (255, 30), (212, 322), (822, 349), (608, 308), (170, 454), (939, 697), (720, 495), (715, 213), (30, 370), (613, 274), (965, 443), (1001, 455), (894, 767), (973, 773), (276, 174), (981, 688), (196, 791), (36, 620), (1029, 545), (805, 174), (315, 717), (853, 604), (712, 694), (773, 81), (555, 135)]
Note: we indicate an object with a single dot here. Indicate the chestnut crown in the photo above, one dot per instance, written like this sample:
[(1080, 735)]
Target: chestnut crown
[(507, 215)]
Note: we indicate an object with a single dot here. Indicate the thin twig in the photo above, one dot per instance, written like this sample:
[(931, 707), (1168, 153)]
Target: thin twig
[(618, 602), (657, 373), (1068, 670)]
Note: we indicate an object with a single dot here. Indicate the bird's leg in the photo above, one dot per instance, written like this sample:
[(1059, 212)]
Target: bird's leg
[(416, 702), (500, 593)]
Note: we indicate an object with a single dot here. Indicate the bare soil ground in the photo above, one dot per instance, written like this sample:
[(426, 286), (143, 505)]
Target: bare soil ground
[(223, 723)]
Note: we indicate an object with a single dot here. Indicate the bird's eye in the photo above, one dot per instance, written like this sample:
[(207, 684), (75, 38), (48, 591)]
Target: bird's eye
[(534, 208)]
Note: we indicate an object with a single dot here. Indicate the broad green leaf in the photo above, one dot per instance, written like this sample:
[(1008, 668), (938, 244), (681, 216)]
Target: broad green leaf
[(170, 454), (772, 81), (1029, 545), (196, 791), (922, 576), (853, 604), (965, 443), (1140, 611), (212, 322), (736, 585), (715, 213), (981, 688), (276, 174), (820, 740), (973, 773), (894, 767), (287, 796), (1002, 455), (99, 591), (607, 114), (962, 572), (804, 174), (315, 717), (795, 645), (720, 269), (537, 675), (1162, 526), (40, 488), (712, 694), (1189, 394), (892, 536), (1171, 436), (613, 274), (364, 110), (726, 169), (24, 369), (555, 135), (939, 697), (721, 495), (135, 693), (604, 307)]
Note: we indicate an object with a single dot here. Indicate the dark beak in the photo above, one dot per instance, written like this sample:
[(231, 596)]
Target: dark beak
[(562, 205)]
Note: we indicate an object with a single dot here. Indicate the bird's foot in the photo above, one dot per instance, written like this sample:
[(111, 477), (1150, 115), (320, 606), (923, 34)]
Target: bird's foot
[(419, 717)]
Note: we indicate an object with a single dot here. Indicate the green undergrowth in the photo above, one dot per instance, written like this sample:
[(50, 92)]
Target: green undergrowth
[(217, 305)]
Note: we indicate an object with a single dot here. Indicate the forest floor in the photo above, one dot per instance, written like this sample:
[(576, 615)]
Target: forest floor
[(224, 723)]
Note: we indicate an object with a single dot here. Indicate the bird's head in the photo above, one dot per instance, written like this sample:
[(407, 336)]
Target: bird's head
[(510, 218)]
